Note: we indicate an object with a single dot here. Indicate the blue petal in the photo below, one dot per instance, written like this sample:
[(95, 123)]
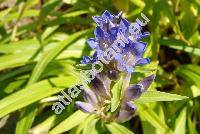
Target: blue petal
[(143, 61), (98, 32), (124, 23), (124, 116), (138, 48), (85, 107), (143, 35), (107, 15), (133, 92), (100, 85), (114, 31), (98, 20), (120, 62), (92, 43), (146, 82), (129, 69), (86, 60), (95, 57), (118, 15), (126, 112), (131, 106), (90, 97)]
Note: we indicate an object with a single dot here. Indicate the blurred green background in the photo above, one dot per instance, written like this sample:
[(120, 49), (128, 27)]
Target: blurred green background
[(41, 41)]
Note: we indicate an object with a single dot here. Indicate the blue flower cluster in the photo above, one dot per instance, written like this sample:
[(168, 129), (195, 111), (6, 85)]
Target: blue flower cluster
[(96, 98), (118, 46), (117, 41)]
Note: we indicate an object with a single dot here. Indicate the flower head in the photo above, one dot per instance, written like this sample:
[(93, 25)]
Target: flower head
[(117, 43), (119, 37), (97, 97)]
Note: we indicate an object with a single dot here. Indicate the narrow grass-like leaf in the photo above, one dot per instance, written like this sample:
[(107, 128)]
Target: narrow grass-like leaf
[(71, 122), (116, 94), (122, 5), (50, 122), (153, 96), (34, 93), (138, 3), (48, 56), (189, 73), (84, 124), (181, 123), (180, 45), (90, 127), (191, 126), (150, 116), (15, 60), (116, 128)]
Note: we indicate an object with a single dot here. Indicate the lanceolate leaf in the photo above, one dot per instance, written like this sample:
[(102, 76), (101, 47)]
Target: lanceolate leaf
[(152, 96), (150, 116), (48, 56), (190, 73), (116, 92), (181, 123), (180, 45), (91, 127), (71, 122), (191, 126), (34, 93), (51, 121), (85, 124), (116, 128)]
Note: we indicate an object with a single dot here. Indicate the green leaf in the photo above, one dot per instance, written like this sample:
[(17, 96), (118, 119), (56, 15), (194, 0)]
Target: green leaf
[(190, 73), (71, 2), (156, 15), (138, 3), (167, 10), (44, 126), (180, 45), (188, 20), (91, 127), (34, 93), (150, 116), (153, 96), (147, 127), (191, 126), (49, 56), (84, 124), (116, 128), (122, 5), (10, 61), (48, 31), (13, 73), (154, 46), (15, 15), (180, 126), (25, 122), (51, 121), (71, 122), (46, 9), (116, 94)]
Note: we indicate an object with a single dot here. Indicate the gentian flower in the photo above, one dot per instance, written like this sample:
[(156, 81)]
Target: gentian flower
[(97, 97), (116, 33), (131, 93), (123, 40)]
